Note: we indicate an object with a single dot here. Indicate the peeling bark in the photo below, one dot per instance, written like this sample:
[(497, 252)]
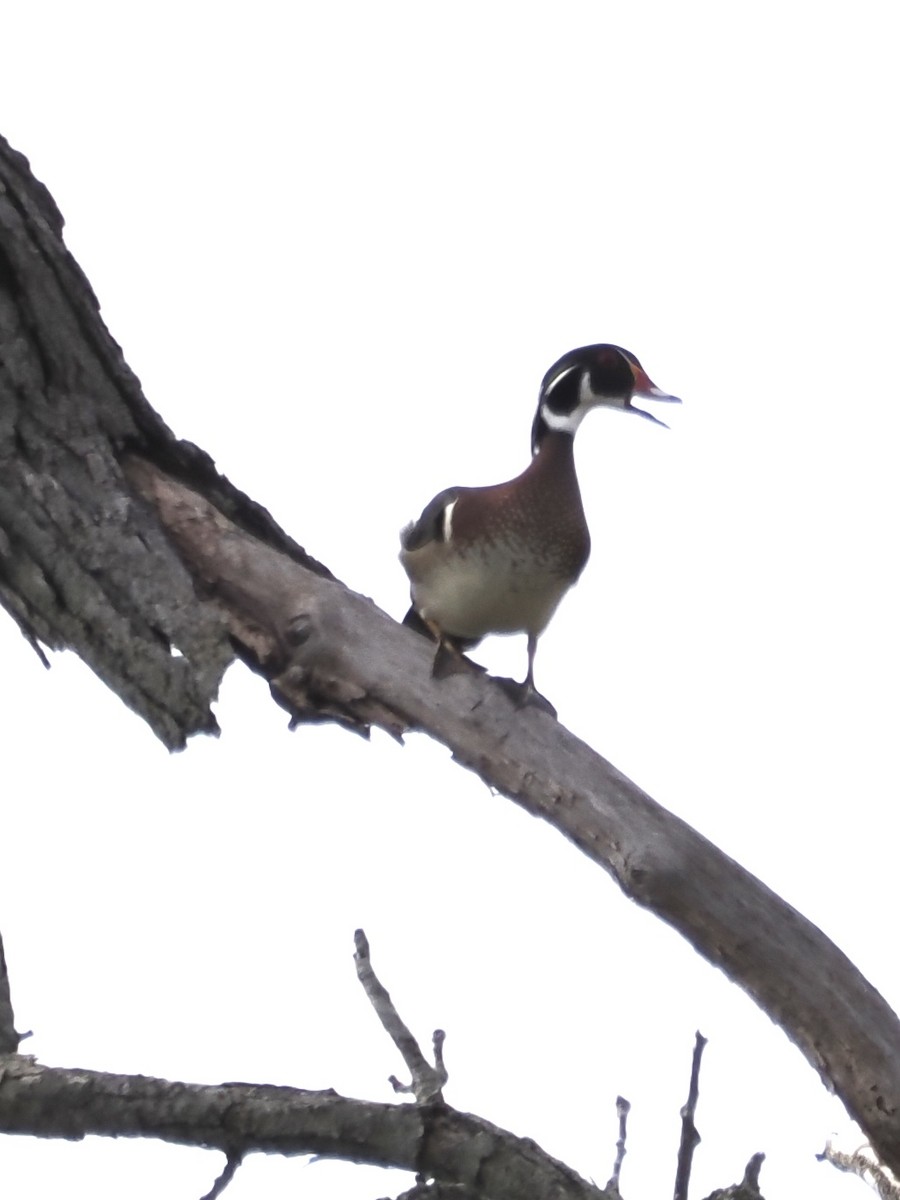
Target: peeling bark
[(82, 567), (123, 544)]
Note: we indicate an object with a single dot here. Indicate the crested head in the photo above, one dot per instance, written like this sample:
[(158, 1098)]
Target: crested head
[(587, 378)]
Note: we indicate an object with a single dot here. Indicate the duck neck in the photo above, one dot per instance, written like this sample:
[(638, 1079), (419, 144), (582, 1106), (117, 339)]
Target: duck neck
[(554, 463), (556, 447)]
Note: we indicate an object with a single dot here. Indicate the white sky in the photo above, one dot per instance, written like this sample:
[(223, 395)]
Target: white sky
[(340, 244)]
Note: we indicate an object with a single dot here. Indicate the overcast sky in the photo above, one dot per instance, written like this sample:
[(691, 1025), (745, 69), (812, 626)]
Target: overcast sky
[(340, 244)]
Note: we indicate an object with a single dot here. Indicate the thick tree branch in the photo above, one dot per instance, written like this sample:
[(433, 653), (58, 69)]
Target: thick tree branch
[(110, 531), (242, 1118), (81, 567), (353, 660)]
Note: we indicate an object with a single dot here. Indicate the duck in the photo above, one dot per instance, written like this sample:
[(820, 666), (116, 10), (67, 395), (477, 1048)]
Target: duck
[(499, 559)]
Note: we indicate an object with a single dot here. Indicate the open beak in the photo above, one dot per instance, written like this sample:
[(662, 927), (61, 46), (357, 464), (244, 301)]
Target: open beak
[(646, 389)]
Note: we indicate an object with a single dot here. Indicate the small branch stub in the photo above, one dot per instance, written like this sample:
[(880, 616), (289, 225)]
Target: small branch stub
[(229, 1171), (427, 1080), (690, 1138), (623, 1108), (748, 1188)]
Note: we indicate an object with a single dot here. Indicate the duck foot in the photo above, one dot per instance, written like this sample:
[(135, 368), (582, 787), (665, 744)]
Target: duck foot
[(412, 620), (524, 695), (450, 661)]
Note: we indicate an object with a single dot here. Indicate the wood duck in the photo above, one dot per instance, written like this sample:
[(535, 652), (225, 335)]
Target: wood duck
[(499, 559)]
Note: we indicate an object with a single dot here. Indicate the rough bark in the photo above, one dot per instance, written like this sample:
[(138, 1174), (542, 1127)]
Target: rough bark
[(328, 650), (242, 1118), (81, 565), (123, 543)]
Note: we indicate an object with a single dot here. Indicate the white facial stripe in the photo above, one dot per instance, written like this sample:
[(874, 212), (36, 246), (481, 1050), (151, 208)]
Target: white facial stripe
[(560, 376), (447, 526), (569, 422)]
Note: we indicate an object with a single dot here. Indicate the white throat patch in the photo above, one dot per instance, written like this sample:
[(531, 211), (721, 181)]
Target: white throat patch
[(569, 422), (562, 422)]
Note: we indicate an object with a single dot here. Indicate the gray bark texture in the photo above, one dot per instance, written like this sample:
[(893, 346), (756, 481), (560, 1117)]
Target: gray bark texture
[(124, 544), (82, 566), (433, 1141)]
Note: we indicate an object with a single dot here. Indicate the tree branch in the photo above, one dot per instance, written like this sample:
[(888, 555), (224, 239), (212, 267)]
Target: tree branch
[(748, 1188), (623, 1108), (81, 566), (690, 1137), (357, 664), (861, 1161), (242, 1118), (232, 1162), (427, 1080), (95, 497)]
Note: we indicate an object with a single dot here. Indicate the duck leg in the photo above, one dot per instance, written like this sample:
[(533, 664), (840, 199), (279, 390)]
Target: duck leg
[(525, 694), (532, 650), (449, 658)]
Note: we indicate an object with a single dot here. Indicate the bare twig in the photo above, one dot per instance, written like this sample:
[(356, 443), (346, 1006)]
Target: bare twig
[(623, 1108), (690, 1138), (427, 1080), (229, 1171), (863, 1163), (748, 1188), (437, 1046), (751, 1172)]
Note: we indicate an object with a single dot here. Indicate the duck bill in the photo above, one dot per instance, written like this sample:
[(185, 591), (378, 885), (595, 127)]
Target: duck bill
[(646, 389)]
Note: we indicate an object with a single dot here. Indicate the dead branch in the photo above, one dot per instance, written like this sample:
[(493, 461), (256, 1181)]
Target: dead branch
[(242, 1118), (353, 662), (232, 1162), (427, 1080), (748, 1188), (623, 1108), (863, 1163), (690, 1137), (456, 1156), (126, 545)]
